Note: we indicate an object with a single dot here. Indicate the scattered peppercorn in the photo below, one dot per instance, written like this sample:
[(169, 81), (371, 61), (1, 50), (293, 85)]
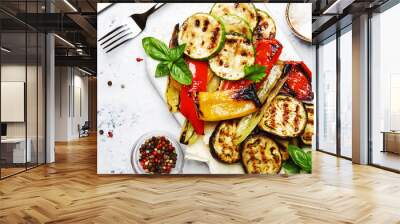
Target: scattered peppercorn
[(110, 134), (157, 155), (101, 132), (122, 86), (139, 59), (109, 83)]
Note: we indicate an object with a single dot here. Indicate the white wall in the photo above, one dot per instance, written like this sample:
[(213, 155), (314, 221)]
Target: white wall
[(62, 81), (9, 73), (16, 72), (80, 110), (33, 127), (71, 102)]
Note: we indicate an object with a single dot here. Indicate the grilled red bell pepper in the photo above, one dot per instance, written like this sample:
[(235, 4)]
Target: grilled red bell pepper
[(239, 84), (267, 54), (188, 94), (299, 81)]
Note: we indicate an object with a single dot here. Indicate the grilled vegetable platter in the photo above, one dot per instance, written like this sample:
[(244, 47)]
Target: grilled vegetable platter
[(241, 104)]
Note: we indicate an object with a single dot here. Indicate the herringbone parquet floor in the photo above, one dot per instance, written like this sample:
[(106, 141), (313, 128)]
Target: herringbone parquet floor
[(69, 191)]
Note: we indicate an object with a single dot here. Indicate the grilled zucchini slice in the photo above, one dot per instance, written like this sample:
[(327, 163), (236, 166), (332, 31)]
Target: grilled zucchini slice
[(306, 137), (246, 11), (203, 35), (237, 53), (286, 117), (261, 155), (236, 25), (188, 134), (221, 142), (172, 95), (266, 28), (213, 84)]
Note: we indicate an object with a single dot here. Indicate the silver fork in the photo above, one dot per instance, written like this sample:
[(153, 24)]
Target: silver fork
[(123, 33)]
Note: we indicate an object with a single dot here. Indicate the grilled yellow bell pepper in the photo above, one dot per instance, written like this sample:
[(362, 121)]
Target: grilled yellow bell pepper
[(227, 104)]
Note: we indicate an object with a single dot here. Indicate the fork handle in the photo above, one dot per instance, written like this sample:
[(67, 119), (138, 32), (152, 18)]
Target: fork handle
[(154, 8)]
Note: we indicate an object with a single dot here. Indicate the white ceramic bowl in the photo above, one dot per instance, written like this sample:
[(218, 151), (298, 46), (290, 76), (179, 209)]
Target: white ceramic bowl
[(135, 155), (298, 17)]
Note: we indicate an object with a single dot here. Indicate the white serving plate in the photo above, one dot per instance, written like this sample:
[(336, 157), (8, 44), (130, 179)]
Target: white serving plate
[(160, 25)]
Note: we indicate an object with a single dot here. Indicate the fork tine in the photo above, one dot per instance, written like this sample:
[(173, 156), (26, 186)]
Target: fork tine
[(128, 39), (111, 32), (131, 38), (115, 41), (115, 35)]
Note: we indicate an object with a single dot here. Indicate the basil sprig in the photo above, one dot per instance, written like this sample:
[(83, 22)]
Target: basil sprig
[(255, 72), (171, 60), (301, 158), (290, 167)]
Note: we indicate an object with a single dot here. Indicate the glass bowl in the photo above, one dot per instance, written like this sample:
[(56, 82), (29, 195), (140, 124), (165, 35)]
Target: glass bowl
[(135, 155)]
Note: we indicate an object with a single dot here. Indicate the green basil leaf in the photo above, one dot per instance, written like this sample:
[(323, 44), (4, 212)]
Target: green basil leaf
[(301, 158), (255, 72), (181, 73), (156, 49), (290, 167), (170, 64), (162, 69), (177, 52), (309, 158), (254, 69)]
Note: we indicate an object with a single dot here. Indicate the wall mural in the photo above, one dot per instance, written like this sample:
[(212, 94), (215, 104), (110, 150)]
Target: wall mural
[(205, 88)]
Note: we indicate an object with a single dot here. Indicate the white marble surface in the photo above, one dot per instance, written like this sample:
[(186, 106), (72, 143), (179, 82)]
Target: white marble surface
[(131, 106)]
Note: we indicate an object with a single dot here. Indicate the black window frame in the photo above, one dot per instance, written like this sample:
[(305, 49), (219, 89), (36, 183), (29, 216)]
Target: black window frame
[(334, 37)]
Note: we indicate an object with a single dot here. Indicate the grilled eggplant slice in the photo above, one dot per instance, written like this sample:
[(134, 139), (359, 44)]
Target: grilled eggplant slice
[(236, 25), (173, 87), (306, 137), (286, 117), (237, 53), (203, 35), (221, 142), (283, 147), (246, 11), (173, 42), (284, 153), (266, 28), (261, 155)]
